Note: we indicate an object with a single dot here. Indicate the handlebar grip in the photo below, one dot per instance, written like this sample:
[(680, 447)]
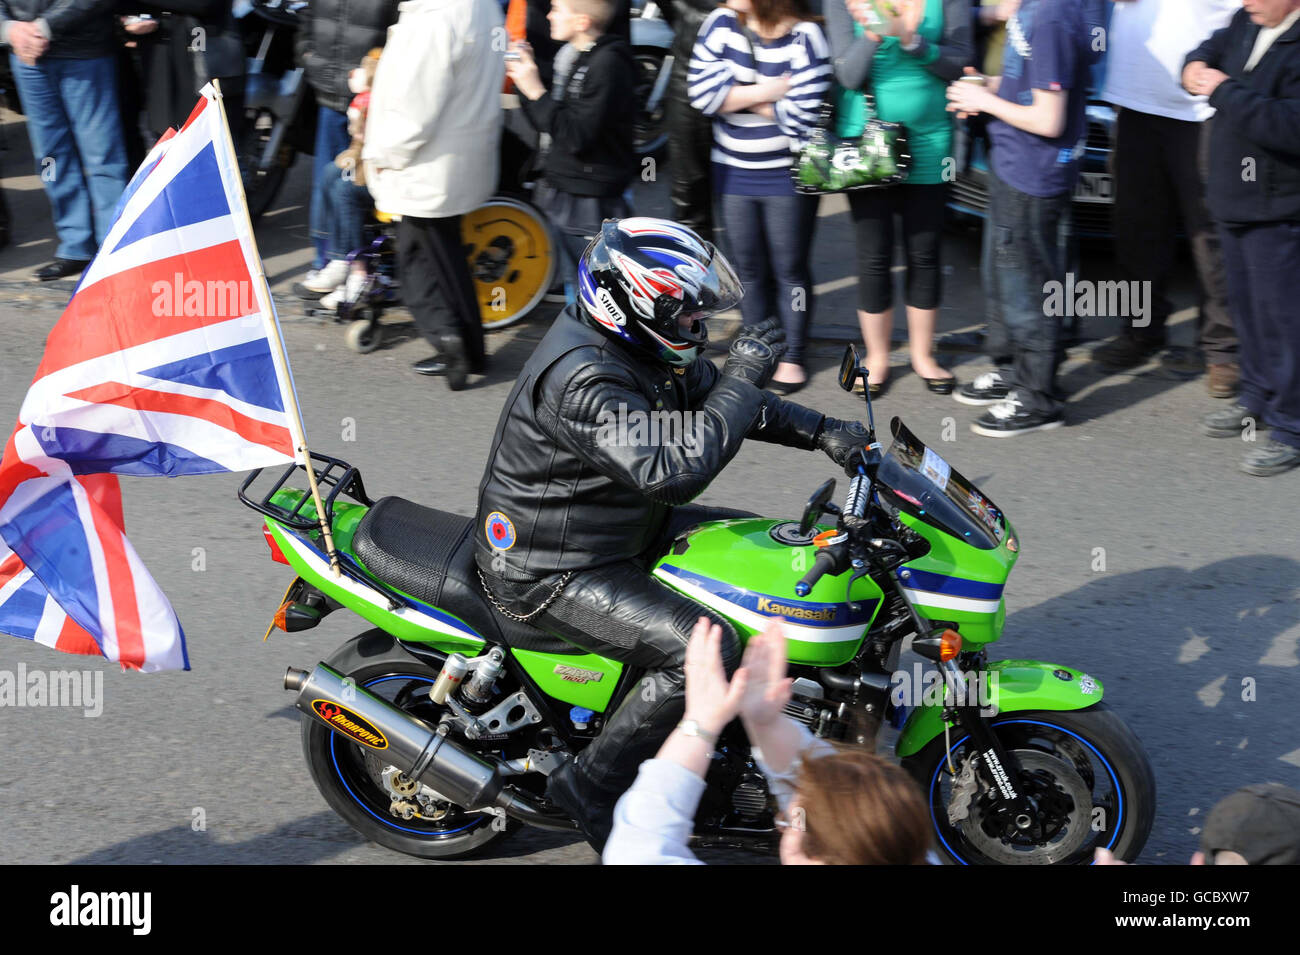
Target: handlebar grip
[(825, 562)]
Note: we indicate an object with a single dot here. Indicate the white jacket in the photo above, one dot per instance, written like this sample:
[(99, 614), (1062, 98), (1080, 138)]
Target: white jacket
[(434, 126)]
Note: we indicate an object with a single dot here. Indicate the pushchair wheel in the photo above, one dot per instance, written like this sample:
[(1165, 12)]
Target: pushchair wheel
[(511, 259), (364, 335)]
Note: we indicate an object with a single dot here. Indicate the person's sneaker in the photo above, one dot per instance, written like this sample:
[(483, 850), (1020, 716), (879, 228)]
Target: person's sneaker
[(348, 293), (1221, 380), (1124, 352), (1008, 419), (1271, 457), (1228, 422), (986, 389), (320, 282)]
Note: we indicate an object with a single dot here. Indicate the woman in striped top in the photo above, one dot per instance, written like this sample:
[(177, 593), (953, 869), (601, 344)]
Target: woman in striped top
[(761, 69)]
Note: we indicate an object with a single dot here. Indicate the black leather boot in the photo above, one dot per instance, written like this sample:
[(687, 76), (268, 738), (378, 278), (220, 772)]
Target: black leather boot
[(589, 805)]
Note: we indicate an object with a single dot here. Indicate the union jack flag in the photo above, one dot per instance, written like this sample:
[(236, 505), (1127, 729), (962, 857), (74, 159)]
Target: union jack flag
[(167, 361)]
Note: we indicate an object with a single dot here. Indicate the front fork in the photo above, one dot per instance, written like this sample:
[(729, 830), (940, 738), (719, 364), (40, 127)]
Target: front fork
[(998, 767)]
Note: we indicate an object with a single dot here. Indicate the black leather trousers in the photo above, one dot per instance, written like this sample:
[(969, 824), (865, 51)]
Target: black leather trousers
[(620, 611)]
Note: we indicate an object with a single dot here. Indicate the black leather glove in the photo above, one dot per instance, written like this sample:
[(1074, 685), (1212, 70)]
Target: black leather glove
[(839, 438), (755, 352)]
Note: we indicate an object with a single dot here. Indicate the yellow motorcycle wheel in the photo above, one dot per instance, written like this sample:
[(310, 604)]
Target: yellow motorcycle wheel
[(511, 258)]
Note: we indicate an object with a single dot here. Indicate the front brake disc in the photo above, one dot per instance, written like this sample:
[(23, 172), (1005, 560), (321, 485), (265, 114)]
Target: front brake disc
[(1064, 804)]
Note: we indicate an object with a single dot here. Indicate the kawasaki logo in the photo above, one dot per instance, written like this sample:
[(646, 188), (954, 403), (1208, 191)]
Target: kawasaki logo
[(349, 724), (578, 675), (767, 605)]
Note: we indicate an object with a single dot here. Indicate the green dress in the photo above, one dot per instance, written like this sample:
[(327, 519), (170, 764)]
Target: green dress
[(908, 93)]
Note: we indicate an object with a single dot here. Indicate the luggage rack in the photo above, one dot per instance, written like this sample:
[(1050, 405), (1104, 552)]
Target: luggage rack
[(332, 474)]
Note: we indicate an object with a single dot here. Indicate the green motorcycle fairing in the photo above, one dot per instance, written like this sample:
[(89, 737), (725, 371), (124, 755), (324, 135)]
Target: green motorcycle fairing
[(745, 569), (584, 680), (959, 583), (1013, 686)]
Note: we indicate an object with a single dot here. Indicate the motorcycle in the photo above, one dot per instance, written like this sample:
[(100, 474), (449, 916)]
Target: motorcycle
[(433, 733), (278, 108), (652, 42)]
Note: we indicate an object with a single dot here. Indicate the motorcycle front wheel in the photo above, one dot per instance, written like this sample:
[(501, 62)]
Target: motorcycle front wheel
[(372, 798), (1085, 771)]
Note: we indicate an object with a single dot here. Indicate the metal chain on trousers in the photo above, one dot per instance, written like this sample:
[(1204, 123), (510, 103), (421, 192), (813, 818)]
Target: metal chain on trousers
[(523, 618)]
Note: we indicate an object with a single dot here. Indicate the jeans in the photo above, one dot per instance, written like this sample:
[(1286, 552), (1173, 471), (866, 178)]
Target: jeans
[(76, 134), (770, 238), (1261, 263), (331, 139), (346, 207), (1026, 245)]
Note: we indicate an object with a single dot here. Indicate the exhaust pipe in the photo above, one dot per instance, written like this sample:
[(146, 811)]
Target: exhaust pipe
[(460, 775)]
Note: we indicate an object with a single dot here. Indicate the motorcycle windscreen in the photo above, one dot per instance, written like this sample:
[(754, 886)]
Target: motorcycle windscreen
[(929, 488)]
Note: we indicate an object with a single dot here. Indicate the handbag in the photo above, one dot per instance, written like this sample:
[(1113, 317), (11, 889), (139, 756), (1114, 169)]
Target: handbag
[(828, 163)]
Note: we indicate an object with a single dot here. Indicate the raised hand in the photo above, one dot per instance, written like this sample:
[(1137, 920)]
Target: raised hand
[(711, 700), (768, 689)]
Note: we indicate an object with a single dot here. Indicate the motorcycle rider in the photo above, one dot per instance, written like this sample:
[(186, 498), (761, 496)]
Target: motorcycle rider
[(616, 421)]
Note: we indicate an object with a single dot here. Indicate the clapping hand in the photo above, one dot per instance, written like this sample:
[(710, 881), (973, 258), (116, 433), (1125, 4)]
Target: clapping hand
[(767, 688), (711, 701)]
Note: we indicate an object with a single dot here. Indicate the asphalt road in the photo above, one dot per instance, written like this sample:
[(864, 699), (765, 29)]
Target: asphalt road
[(1147, 559)]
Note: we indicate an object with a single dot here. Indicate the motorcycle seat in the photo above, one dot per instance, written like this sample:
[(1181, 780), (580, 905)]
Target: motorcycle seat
[(429, 554)]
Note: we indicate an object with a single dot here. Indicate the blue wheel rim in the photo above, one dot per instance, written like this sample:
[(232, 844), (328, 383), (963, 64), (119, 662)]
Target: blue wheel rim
[(391, 824), (1119, 791)]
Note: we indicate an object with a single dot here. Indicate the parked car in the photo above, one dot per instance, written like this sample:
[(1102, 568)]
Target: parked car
[(1093, 197)]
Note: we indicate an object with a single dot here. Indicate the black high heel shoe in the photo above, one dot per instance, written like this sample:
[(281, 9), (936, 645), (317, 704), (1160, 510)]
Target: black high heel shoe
[(786, 388), (941, 386), (876, 388)]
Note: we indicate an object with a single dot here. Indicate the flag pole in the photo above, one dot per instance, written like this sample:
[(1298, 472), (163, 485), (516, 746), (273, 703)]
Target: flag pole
[(263, 289)]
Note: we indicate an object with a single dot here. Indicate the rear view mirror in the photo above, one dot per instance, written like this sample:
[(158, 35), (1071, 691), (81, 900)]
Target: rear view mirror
[(849, 369), (817, 504)]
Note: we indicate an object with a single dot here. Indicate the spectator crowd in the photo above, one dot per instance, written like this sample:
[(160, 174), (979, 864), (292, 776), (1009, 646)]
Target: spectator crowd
[(1206, 144), (410, 124)]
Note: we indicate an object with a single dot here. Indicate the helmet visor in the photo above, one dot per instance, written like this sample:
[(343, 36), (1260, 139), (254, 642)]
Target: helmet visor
[(721, 289)]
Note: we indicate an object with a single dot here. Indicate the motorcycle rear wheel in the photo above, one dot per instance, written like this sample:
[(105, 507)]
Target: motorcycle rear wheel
[(344, 772), (1085, 769)]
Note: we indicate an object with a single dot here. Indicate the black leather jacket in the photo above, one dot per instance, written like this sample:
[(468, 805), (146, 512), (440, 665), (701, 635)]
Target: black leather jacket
[(79, 29), (685, 17), (571, 485)]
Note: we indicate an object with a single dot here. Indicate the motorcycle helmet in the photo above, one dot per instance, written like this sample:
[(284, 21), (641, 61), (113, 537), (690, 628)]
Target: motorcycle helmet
[(653, 284)]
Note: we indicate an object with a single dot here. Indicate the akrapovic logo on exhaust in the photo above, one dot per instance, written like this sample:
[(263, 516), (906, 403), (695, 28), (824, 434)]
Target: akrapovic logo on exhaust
[(349, 724)]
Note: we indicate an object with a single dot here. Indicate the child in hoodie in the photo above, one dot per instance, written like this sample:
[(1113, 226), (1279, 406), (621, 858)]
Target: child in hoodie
[(591, 158)]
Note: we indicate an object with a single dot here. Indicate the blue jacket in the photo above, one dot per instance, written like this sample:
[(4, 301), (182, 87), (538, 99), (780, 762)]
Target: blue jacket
[(1254, 173)]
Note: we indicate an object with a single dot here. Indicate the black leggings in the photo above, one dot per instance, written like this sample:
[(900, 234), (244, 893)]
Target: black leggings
[(922, 210)]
